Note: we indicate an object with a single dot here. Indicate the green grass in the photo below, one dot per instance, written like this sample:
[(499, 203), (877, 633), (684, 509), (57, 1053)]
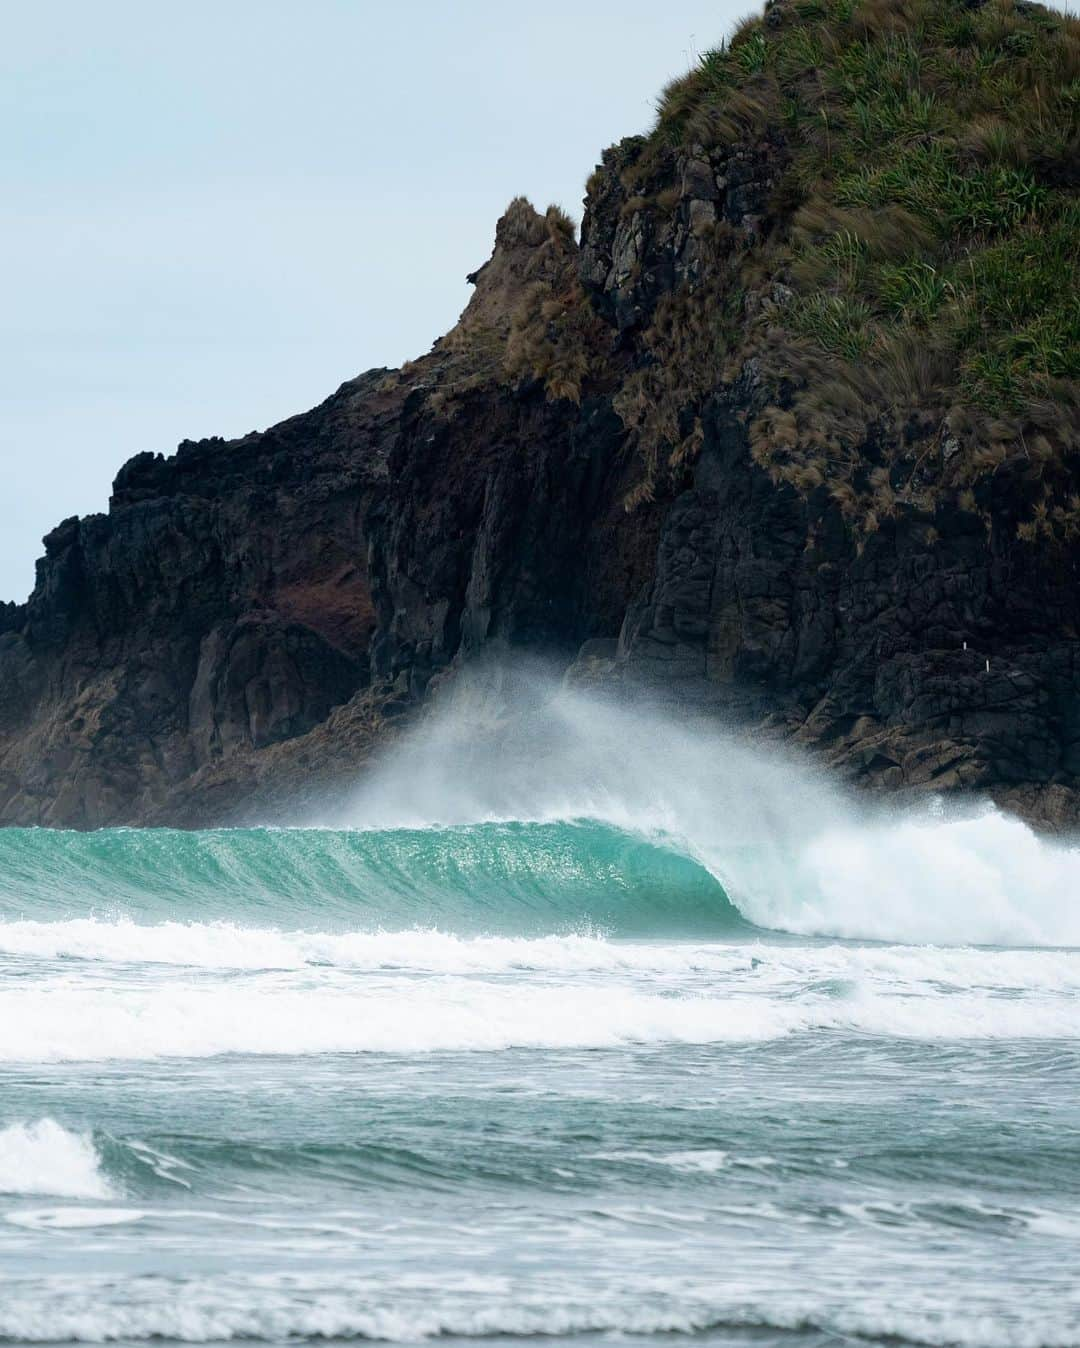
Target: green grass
[(1020, 316), (965, 119), (837, 323), (914, 291)]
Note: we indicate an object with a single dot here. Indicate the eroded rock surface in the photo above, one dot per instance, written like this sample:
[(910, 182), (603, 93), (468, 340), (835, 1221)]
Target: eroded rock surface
[(251, 616)]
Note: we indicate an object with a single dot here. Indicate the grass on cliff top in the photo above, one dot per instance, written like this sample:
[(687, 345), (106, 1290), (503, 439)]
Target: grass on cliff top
[(932, 184), (926, 221)]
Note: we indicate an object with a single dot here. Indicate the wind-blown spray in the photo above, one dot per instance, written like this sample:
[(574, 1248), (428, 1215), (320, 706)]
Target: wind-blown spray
[(791, 849)]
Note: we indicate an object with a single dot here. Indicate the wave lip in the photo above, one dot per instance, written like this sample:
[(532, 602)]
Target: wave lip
[(47, 1159)]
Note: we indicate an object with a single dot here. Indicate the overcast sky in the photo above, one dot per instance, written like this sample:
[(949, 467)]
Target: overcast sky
[(215, 212)]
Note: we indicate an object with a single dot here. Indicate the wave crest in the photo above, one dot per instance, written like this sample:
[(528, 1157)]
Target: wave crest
[(987, 880), (46, 1158), (581, 816)]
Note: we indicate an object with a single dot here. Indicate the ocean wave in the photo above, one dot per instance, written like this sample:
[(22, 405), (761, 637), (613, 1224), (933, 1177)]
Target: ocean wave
[(45, 1158), (586, 826), (507, 878), (987, 880), (791, 849)]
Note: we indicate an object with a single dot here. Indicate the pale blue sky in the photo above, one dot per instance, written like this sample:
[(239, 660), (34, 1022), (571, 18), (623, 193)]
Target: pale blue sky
[(216, 211)]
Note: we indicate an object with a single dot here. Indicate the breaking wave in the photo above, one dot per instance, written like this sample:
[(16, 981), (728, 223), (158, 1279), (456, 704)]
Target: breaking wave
[(570, 817), (150, 894), (45, 1158)]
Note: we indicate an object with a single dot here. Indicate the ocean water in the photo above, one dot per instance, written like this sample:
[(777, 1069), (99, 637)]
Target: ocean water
[(617, 1031)]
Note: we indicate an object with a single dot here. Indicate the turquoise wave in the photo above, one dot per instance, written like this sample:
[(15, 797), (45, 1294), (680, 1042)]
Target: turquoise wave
[(509, 878)]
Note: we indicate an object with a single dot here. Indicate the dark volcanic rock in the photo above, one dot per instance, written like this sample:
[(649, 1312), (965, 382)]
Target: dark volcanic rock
[(932, 656), (250, 616)]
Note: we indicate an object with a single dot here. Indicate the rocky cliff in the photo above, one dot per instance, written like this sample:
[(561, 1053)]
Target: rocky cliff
[(789, 435)]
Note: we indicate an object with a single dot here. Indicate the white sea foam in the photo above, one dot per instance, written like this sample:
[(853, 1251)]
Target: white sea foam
[(225, 945), (325, 1012), (68, 1219), (193, 990), (706, 1161), (45, 1158), (205, 1311), (214, 945), (396, 1016), (986, 880)]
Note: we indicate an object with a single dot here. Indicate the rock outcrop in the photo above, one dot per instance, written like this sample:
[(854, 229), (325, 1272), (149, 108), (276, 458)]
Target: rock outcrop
[(575, 470)]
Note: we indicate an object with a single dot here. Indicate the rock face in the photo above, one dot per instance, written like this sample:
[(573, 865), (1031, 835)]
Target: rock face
[(251, 616), (933, 656), (181, 658)]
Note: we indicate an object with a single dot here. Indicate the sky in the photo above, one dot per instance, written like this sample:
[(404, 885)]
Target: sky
[(216, 212)]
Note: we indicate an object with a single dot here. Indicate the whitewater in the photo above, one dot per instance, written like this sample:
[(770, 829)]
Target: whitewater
[(573, 1020)]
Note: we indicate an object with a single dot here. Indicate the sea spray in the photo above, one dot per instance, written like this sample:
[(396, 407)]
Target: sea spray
[(555, 811), (792, 850)]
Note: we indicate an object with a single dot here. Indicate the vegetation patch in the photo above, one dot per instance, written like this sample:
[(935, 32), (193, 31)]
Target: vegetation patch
[(928, 224)]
